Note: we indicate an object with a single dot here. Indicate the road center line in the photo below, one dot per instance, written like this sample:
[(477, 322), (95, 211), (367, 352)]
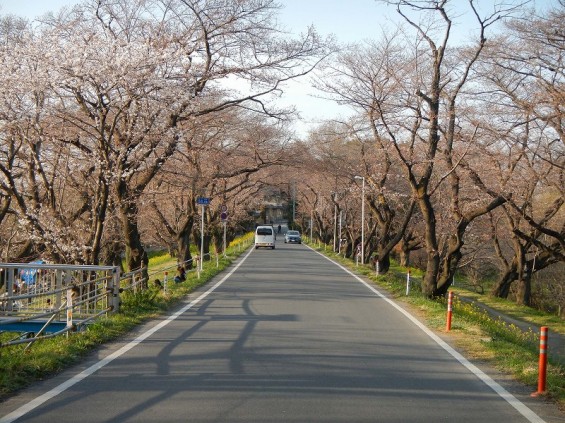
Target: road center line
[(486, 379), (33, 404)]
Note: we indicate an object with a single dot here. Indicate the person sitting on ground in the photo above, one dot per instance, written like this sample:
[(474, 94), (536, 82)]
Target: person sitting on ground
[(181, 275)]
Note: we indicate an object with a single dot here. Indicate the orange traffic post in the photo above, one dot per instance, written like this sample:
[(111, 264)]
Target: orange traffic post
[(542, 372), (449, 311)]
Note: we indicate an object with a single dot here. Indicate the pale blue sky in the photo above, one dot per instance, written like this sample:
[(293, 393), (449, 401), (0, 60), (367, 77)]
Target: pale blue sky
[(348, 20)]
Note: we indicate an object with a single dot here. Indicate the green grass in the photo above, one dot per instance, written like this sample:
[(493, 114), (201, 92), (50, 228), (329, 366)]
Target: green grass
[(21, 367), (482, 337)]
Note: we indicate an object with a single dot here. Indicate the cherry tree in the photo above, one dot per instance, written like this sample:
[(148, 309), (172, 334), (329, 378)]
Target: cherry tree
[(221, 158), (46, 185), (126, 76), (361, 78), (525, 77), (321, 178), (424, 126)]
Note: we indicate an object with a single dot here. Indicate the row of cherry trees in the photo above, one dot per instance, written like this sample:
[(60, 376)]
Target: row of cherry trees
[(461, 145), (116, 115)]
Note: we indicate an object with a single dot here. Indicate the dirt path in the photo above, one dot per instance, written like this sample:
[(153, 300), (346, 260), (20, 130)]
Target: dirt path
[(556, 341)]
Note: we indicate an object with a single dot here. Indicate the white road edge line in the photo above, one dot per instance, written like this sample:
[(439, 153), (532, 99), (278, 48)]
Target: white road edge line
[(486, 379), (24, 409)]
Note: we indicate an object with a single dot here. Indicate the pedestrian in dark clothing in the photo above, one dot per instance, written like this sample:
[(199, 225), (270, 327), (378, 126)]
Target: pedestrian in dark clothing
[(181, 275)]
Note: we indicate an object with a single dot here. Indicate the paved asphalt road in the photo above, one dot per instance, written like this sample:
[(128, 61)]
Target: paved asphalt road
[(288, 337)]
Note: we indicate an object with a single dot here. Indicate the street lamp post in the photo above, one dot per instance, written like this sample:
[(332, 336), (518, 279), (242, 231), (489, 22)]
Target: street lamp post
[(202, 241), (362, 219), (334, 198), (293, 203), (311, 224)]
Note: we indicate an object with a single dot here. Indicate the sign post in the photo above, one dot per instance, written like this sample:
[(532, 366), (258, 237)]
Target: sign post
[(225, 224), (203, 201), (224, 217)]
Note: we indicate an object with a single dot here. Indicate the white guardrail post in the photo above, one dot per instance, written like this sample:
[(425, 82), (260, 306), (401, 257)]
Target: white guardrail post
[(115, 290), (10, 290), (69, 308)]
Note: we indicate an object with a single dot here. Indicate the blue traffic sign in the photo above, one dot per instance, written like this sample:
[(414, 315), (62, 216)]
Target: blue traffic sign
[(203, 201)]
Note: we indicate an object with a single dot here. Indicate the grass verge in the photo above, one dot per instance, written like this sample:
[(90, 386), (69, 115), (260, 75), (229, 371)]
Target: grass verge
[(474, 331), (21, 367)]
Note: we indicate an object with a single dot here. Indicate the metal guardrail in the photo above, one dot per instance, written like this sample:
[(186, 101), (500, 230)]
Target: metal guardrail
[(44, 300), (39, 301)]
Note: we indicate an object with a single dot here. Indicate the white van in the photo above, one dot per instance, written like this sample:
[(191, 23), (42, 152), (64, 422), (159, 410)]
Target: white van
[(265, 237)]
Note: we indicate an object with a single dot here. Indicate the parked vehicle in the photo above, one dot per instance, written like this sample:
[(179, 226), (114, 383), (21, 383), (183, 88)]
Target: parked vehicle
[(292, 237), (265, 237)]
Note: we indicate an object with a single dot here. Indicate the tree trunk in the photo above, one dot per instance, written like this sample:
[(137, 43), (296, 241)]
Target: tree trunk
[(445, 278), (524, 294), (502, 287), (111, 254), (429, 281), (404, 256), (183, 243), (407, 244), (198, 242), (384, 263), (99, 223), (451, 259), (207, 242), (136, 257)]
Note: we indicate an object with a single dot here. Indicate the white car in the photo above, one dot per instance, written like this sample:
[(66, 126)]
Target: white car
[(265, 237)]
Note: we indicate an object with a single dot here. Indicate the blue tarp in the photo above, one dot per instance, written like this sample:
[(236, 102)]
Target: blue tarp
[(28, 275)]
